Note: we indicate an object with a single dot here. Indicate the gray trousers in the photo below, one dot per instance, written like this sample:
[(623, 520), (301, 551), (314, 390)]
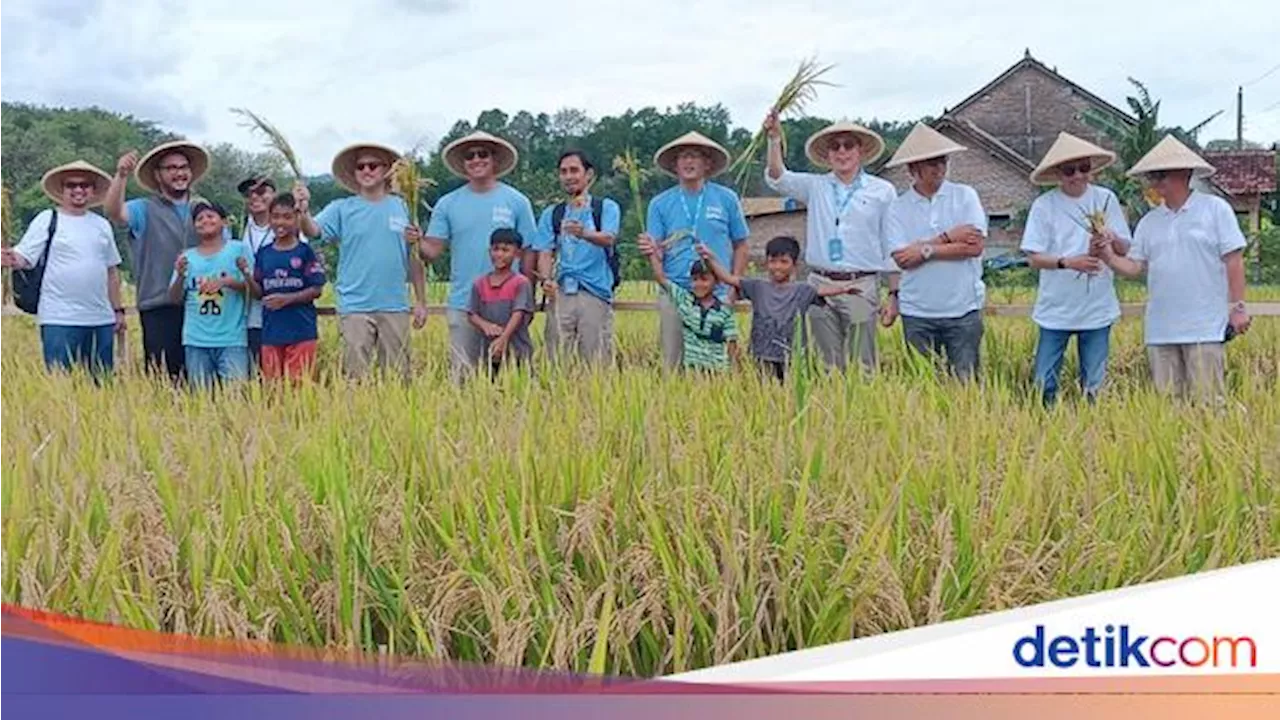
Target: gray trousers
[(585, 327), (845, 326), (958, 339), (466, 345), (671, 333)]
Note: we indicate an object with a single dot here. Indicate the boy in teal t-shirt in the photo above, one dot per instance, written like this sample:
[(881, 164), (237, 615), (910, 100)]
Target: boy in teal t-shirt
[(210, 279)]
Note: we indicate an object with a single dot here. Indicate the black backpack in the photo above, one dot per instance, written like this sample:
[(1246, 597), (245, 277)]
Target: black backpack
[(26, 283), (597, 212)]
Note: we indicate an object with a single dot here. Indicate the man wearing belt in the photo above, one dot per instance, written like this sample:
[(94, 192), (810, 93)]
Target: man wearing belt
[(844, 241)]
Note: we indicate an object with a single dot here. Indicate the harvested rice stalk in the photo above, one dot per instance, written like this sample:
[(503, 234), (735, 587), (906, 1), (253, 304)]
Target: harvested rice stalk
[(407, 181), (275, 139), (799, 91), (626, 162)]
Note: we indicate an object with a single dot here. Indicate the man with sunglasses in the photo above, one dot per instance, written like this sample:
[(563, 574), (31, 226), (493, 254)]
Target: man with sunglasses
[(844, 242), (258, 191), (465, 220), (160, 228), (1077, 295), (79, 311), (1192, 251), (372, 230)]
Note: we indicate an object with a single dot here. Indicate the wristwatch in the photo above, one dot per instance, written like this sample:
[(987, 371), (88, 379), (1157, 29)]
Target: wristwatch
[(1239, 307), (926, 252), (1062, 263)]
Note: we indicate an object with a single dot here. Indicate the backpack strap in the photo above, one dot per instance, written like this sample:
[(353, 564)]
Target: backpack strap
[(597, 212), (48, 243), (557, 218)]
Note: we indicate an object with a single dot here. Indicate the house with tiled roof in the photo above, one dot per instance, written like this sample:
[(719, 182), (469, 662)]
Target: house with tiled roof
[(1243, 177)]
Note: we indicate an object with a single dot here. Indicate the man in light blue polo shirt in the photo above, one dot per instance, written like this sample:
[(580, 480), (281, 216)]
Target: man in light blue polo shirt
[(464, 220), (372, 229), (693, 211), (574, 243)]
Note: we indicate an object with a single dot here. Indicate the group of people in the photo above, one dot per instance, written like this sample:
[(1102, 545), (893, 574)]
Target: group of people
[(212, 306)]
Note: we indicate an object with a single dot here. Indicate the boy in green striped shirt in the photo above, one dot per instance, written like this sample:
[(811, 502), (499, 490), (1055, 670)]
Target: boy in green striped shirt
[(709, 328)]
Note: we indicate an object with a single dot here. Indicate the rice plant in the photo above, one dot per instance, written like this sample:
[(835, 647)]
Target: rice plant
[(799, 91), (275, 140)]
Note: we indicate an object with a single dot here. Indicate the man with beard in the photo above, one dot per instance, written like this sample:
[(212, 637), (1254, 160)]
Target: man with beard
[(465, 220), (845, 236), (575, 243), (79, 309), (160, 227), (692, 212), (374, 259)]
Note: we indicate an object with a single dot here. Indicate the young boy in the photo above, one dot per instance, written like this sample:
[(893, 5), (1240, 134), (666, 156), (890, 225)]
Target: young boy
[(776, 302), (288, 277), (708, 326), (501, 303), (211, 277)]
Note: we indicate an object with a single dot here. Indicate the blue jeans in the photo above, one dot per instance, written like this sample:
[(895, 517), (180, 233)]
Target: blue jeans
[(68, 345), (208, 366), (1093, 347)]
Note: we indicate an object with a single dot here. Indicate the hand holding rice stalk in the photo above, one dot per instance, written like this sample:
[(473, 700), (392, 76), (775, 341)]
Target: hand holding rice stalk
[(1095, 223), (407, 182), (799, 91), (275, 140)]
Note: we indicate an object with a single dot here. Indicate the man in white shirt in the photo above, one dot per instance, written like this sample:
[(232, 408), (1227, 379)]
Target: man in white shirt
[(844, 241), (258, 192), (1077, 293), (79, 310), (935, 232), (1192, 251)]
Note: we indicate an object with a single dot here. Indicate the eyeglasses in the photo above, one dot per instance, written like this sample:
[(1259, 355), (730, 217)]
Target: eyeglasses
[(262, 189), (175, 168), (369, 165), (1069, 170), (474, 153), (1157, 175), (844, 144), (78, 184)]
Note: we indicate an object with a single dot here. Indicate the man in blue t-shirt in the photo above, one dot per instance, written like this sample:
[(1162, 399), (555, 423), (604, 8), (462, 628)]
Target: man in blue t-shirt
[(692, 212), (573, 263), (210, 282), (465, 220), (288, 277), (372, 230)]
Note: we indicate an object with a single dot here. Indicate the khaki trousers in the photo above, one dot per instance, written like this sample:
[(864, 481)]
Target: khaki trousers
[(366, 335), (1191, 370), (585, 327), (845, 327)]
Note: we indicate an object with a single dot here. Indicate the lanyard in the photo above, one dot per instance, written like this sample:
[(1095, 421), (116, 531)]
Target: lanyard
[(842, 200), (696, 215), (256, 241)]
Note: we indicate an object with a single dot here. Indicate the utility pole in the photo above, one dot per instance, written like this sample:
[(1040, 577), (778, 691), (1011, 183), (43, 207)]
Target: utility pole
[(1240, 117)]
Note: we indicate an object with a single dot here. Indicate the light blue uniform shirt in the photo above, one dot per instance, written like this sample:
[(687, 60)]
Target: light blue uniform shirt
[(583, 264), (464, 220), (217, 320), (712, 217), (373, 258)]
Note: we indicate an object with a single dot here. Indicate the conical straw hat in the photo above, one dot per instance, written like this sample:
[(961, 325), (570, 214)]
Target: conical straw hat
[(344, 163), (196, 155), (1171, 154), (52, 181), (1068, 148), (816, 146), (504, 153), (666, 156), (923, 143)]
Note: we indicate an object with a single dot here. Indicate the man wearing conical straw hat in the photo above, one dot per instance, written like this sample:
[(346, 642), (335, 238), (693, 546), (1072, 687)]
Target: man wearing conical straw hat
[(935, 232), (79, 310), (694, 210), (1077, 293), (1192, 251), (375, 257), (160, 228), (465, 220), (844, 241)]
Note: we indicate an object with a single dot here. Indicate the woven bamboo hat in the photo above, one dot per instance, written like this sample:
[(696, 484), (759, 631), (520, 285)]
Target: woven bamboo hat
[(666, 156), (52, 181), (923, 143), (1068, 148), (817, 144), (504, 153), (196, 155), (1172, 154), (344, 163)]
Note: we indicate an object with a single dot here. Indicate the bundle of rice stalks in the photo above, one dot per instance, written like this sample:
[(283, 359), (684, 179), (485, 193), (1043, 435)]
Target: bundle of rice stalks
[(407, 181), (275, 140), (6, 215), (626, 162), (799, 91)]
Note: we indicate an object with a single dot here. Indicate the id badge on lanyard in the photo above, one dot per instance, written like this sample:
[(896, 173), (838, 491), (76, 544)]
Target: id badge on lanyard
[(835, 246)]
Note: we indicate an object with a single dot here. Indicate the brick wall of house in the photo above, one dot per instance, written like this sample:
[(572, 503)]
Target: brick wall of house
[(766, 227), (1054, 107)]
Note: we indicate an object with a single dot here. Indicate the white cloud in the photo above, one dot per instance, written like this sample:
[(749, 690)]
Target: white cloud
[(398, 71)]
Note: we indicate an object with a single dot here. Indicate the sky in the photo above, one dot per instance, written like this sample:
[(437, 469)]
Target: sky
[(402, 71)]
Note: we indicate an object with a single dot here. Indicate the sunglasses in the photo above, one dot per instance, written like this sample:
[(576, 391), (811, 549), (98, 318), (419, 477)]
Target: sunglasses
[(1069, 170), (260, 190), (78, 185), (370, 165), (843, 144), (175, 168), (1158, 175), (476, 153)]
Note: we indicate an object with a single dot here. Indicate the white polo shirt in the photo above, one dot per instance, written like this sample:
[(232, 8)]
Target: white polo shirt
[(844, 231), (1187, 300), (1068, 299), (937, 288)]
